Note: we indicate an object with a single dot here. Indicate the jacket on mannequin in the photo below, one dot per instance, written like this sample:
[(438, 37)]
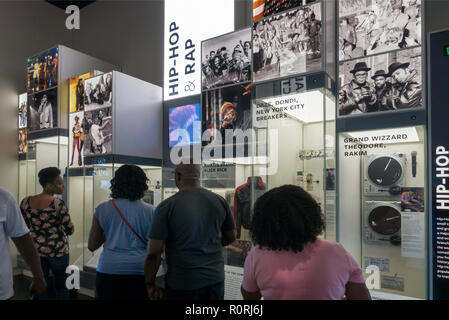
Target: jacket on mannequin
[(242, 202)]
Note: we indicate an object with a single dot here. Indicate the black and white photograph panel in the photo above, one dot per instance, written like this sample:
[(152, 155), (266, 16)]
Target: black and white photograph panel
[(97, 132), (288, 43), (43, 110), (76, 139), (385, 82), (98, 92), (265, 8), (226, 59), (375, 26)]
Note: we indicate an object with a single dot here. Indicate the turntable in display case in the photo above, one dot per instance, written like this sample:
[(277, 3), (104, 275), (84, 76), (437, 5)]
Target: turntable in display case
[(384, 174), (383, 222)]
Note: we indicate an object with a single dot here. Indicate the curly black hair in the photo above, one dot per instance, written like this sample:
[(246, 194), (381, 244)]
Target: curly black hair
[(48, 175), (286, 218), (129, 182)]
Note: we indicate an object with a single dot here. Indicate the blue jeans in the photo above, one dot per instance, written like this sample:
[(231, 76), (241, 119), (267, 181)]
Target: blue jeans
[(58, 267), (213, 292)]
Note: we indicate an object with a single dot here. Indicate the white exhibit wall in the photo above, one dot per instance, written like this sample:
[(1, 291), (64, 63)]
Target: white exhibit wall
[(137, 116)]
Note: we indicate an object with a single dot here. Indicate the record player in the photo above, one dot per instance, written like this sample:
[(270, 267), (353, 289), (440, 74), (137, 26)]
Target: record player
[(382, 222), (384, 174)]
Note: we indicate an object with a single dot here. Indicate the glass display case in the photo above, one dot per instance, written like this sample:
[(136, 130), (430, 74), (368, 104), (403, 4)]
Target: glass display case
[(42, 153), (383, 214), (298, 129)]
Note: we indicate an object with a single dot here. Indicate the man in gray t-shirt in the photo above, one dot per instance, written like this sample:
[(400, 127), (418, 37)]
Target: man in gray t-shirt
[(193, 225)]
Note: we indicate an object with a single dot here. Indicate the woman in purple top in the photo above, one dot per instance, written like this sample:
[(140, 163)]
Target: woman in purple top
[(289, 261)]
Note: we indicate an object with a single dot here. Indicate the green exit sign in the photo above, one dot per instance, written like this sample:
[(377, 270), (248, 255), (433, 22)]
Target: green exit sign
[(446, 50)]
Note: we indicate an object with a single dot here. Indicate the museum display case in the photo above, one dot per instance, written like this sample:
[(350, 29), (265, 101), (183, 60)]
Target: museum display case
[(383, 212)]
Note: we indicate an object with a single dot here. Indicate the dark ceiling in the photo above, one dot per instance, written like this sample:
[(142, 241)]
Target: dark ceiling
[(64, 4)]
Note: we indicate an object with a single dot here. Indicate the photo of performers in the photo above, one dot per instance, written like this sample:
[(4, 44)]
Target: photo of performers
[(98, 92), (375, 26), (76, 141), (391, 81), (227, 109), (219, 66), (412, 199), (288, 43), (23, 111), (265, 8), (23, 141), (183, 117), (42, 71), (97, 131), (77, 92), (43, 110)]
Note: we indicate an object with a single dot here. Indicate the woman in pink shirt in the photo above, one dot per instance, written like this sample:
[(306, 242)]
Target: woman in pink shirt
[(289, 261)]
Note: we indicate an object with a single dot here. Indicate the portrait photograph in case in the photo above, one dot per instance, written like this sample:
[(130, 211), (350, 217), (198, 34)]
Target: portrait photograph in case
[(98, 132), (42, 71), (412, 199), (23, 111), (43, 110), (184, 118), (23, 148), (98, 92), (226, 110), (76, 94), (76, 139)]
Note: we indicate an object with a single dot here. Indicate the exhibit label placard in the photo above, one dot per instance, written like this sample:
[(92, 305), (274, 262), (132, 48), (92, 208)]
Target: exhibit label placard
[(187, 23)]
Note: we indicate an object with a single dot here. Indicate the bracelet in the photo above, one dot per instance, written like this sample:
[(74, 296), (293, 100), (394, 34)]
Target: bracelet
[(150, 284)]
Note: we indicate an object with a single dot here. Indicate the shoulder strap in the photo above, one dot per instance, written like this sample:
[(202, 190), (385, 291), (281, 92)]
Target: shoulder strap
[(129, 226)]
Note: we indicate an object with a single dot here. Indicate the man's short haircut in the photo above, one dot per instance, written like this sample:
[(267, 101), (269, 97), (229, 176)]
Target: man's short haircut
[(188, 170)]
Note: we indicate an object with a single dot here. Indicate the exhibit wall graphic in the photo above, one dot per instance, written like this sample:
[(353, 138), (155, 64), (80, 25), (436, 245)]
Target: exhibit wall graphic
[(265, 8), (439, 161), (23, 111), (306, 107), (43, 110), (76, 139), (42, 71), (226, 59), (98, 92), (375, 26), (385, 82), (98, 132), (288, 43), (228, 108), (184, 118), (187, 23), (76, 92)]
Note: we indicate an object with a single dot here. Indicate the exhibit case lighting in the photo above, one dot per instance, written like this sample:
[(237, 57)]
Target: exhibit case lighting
[(187, 23)]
